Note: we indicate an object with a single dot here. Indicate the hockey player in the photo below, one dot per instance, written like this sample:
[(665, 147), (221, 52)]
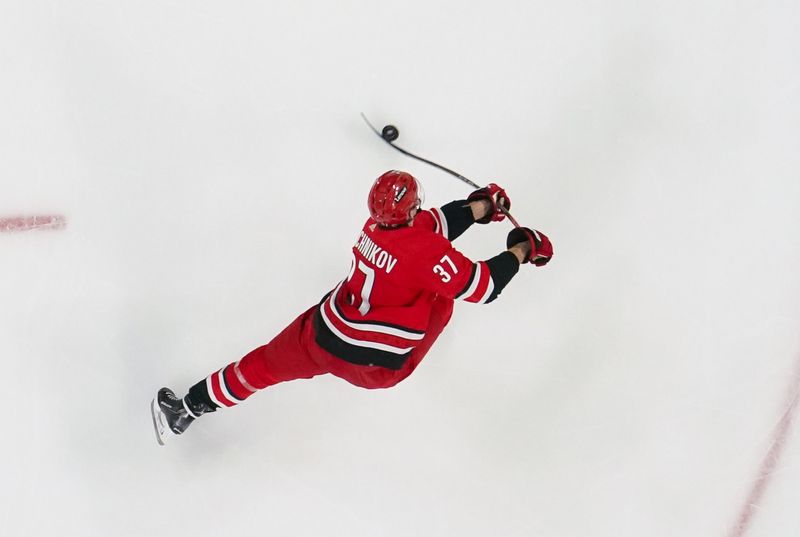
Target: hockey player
[(376, 325)]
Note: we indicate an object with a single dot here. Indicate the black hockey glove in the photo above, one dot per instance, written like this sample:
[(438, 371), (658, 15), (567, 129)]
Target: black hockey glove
[(495, 195), (541, 248)]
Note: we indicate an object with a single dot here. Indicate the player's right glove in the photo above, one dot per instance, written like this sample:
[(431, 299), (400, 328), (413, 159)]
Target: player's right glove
[(541, 250), (495, 195)]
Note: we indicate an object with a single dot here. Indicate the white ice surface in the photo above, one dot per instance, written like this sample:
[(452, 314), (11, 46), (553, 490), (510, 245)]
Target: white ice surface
[(213, 167)]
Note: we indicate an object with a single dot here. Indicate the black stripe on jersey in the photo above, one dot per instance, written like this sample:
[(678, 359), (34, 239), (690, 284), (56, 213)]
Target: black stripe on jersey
[(353, 353), (380, 323), (502, 268), (469, 282), (459, 218)]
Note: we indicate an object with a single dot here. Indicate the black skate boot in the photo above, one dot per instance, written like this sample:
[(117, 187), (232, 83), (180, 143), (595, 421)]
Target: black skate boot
[(173, 416)]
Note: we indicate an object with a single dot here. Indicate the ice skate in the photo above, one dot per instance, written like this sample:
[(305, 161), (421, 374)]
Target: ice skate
[(170, 415)]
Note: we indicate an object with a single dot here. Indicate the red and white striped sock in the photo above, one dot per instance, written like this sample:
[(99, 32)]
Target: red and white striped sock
[(224, 388)]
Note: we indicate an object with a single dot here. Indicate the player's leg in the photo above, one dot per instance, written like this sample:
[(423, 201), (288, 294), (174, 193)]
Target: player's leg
[(284, 358)]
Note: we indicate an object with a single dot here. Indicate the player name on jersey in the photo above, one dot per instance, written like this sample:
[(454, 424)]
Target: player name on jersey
[(375, 254)]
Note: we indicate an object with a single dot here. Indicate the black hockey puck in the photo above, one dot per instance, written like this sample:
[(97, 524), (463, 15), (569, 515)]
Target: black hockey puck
[(390, 133)]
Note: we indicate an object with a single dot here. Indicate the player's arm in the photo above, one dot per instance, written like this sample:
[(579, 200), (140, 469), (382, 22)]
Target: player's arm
[(452, 220), (450, 273), (448, 221), (488, 278)]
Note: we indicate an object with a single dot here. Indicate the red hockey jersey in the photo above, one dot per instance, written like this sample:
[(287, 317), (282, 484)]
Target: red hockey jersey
[(379, 313)]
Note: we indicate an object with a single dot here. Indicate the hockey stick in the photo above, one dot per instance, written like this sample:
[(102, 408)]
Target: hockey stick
[(390, 133)]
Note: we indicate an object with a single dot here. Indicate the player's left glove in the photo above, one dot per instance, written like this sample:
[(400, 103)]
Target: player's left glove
[(496, 196), (541, 248)]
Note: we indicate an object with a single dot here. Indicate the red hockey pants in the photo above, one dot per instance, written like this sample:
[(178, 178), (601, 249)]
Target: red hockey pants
[(294, 354)]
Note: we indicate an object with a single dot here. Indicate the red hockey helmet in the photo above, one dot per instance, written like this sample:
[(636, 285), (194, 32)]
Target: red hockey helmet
[(392, 198)]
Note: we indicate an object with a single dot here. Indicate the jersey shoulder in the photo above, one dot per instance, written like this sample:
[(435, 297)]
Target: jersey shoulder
[(419, 242), (425, 220)]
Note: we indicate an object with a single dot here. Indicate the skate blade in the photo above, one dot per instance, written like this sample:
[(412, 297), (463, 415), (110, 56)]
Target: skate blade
[(159, 424)]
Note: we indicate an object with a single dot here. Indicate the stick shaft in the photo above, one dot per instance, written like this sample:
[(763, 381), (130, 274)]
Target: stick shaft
[(455, 174), (426, 161)]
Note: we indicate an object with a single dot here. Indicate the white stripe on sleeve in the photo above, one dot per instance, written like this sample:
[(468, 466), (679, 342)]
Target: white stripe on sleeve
[(443, 219), (475, 281), (435, 221), (488, 293)]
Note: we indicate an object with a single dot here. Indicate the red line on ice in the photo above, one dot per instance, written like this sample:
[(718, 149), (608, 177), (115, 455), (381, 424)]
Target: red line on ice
[(770, 462), (10, 224)]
